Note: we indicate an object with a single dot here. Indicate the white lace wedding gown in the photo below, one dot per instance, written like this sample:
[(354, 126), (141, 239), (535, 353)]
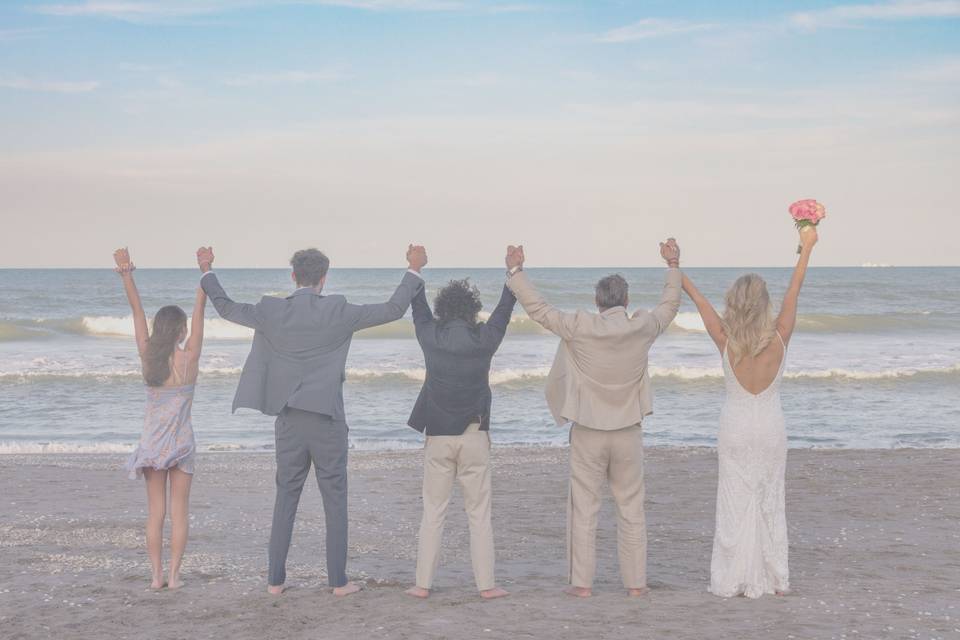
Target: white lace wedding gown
[(750, 541)]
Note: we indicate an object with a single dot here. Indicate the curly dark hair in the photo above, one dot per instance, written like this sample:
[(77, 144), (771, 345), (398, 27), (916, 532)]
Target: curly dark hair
[(458, 300)]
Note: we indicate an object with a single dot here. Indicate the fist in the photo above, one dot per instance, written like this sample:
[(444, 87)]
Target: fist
[(514, 257), (416, 256), (205, 258), (122, 258), (670, 250)]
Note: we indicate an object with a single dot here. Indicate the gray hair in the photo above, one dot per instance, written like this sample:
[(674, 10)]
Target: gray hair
[(612, 292), (309, 267)]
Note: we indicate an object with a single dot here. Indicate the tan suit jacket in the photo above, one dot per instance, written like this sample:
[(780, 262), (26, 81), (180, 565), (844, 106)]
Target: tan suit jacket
[(599, 376)]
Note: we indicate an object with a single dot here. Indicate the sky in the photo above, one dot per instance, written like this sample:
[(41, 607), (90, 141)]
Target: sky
[(585, 130)]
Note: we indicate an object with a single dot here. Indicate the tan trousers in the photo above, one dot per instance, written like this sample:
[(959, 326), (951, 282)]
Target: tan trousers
[(615, 457), (465, 458)]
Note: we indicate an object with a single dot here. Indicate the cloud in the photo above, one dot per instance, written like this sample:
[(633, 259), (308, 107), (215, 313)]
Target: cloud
[(483, 79), (131, 11), (848, 15), (651, 28), (513, 8), (10, 35), (284, 77), (946, 71), (48, 86), (392, 5), (153, 11)]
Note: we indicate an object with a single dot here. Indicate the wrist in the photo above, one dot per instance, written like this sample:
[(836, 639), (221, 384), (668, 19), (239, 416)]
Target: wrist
[(673, 263), (206, 266), (414, 268)]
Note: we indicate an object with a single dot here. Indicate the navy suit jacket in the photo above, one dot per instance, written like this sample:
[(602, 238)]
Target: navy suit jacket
[(457, 356)]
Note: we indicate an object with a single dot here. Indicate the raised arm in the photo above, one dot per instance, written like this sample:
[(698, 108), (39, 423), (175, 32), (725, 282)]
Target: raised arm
[(195, 341), (125, 268), (371, 315), (787, 319), (711, 319), (423, 321), (666, 310), (540, 311), (241, 313), (422, 316), (496, 325)]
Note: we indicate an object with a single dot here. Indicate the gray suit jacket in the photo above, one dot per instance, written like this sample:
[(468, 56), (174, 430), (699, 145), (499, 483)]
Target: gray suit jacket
[(300, 344)]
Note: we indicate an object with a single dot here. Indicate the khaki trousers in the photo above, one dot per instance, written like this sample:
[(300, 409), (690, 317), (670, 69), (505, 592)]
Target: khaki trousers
[(606, 456), (464, 458)]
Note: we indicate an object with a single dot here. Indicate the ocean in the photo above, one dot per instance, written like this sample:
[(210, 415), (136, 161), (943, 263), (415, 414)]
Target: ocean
[(874, 362)]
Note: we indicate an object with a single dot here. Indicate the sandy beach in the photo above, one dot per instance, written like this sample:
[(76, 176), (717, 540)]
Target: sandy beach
[(874, 553)]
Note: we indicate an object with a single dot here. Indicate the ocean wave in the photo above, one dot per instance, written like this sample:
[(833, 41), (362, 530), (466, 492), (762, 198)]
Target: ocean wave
[(498, 377), (690, 321), (25, 448), (554, 438), (10, 332), (520, 324), (52, 374), (214, 328)]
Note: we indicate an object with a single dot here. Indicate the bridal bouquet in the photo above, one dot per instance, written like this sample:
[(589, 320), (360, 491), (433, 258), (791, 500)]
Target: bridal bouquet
[(807, 213)]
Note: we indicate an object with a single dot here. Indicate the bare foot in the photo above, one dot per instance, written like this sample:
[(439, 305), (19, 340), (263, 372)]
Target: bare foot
[(780, 593), (345, 590), (417, 592), (157, 583), (578, 592), (174, 583), (275, 589), (496, 592), (636, 593)]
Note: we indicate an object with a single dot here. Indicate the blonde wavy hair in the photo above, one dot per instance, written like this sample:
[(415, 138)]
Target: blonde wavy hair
[(748, 318)]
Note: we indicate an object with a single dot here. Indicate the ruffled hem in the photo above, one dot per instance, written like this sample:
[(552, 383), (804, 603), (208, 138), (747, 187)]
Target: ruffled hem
[(137, 463), (751, 591)]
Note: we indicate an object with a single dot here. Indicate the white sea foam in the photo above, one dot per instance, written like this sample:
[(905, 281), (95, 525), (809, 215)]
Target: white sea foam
[(689, 321), (214, 328), (520, 324), (499, 376), (64, 447)]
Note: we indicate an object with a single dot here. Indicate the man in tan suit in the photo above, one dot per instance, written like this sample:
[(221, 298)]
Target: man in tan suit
[(600, 387)]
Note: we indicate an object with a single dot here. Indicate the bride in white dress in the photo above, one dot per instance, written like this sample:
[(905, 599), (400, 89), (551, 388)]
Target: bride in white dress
[(750, 540)]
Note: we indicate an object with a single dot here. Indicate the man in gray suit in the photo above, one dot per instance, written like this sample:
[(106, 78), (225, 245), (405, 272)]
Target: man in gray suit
[(295, 371)]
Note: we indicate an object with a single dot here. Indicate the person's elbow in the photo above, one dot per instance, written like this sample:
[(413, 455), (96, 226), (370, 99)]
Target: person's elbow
[(395, 312)]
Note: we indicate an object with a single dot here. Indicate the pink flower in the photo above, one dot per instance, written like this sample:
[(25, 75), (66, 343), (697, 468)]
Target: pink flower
[(807, 211)]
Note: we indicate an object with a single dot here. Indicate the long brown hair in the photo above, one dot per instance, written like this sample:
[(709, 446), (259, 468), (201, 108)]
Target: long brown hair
[(168, 326)]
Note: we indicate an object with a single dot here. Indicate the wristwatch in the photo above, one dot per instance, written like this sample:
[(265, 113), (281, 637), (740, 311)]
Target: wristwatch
[(514, 270)]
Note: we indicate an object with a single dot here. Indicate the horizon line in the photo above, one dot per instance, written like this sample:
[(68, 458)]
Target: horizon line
[(745, 266)]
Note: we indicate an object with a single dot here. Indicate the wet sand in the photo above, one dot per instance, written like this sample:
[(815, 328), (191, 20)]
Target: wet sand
[(874, 553)]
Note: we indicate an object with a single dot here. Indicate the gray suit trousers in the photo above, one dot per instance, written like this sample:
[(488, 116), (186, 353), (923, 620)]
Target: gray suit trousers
[(303, 438)]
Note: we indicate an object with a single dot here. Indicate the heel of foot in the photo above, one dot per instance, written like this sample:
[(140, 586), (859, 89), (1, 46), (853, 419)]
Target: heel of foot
[(346, 590)]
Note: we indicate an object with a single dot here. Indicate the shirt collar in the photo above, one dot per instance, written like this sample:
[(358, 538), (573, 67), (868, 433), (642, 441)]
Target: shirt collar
[(303, 291), (614, 310)]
